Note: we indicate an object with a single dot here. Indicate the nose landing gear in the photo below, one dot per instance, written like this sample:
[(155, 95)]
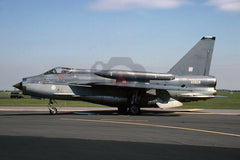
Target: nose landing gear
[(52, 110)]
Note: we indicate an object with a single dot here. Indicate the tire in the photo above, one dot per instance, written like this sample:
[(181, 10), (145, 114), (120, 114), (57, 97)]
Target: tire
[(53, 111), (134, 110), (122, 110)]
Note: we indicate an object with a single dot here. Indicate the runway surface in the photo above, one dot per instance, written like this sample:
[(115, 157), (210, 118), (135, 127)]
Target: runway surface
[(100, 133)]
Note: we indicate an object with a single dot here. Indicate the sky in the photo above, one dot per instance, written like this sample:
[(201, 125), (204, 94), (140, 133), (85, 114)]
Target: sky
[(36, 36)]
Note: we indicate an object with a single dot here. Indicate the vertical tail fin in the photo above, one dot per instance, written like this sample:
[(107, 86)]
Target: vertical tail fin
[(198, 60)]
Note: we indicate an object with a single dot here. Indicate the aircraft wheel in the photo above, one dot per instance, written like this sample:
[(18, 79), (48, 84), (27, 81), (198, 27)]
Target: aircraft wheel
[(122, 110), (134, 110), (53, 111)]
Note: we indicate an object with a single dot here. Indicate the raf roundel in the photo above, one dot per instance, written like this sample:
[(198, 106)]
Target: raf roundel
[(53, 87)]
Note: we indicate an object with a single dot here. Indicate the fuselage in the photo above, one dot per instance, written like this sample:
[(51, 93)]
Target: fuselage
[(75, 84)]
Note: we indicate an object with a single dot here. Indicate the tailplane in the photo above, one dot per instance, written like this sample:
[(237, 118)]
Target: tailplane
[(198, 60)]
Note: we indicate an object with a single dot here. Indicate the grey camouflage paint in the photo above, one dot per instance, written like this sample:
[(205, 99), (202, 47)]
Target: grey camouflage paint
[(188, 80)]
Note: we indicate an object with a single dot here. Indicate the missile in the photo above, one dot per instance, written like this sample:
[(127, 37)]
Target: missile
[(134, 76)]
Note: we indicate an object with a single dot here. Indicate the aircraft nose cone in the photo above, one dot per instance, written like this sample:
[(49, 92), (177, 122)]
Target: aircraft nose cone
[(18, 86)]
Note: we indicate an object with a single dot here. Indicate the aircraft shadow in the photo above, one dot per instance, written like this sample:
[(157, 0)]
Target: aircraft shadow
[(38, 148)]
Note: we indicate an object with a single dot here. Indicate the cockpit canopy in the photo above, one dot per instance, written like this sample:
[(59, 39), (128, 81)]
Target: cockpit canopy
[(59, 70)]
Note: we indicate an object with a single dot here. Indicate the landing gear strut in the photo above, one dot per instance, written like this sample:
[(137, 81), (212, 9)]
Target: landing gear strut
[(134, 109), (52, 110)]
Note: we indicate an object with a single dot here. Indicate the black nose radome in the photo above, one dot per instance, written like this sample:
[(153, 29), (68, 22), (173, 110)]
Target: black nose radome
[(18, 86)]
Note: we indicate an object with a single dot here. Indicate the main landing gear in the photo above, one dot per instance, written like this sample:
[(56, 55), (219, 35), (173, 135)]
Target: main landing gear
[(133, 110), (122, 110), (52, 110), (133, 107)]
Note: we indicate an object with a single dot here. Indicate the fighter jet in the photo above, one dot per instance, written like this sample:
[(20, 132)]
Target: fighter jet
[(188, 80)]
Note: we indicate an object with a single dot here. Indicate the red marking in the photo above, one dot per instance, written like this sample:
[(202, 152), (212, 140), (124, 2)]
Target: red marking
[(61, 77), (121, 80)]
